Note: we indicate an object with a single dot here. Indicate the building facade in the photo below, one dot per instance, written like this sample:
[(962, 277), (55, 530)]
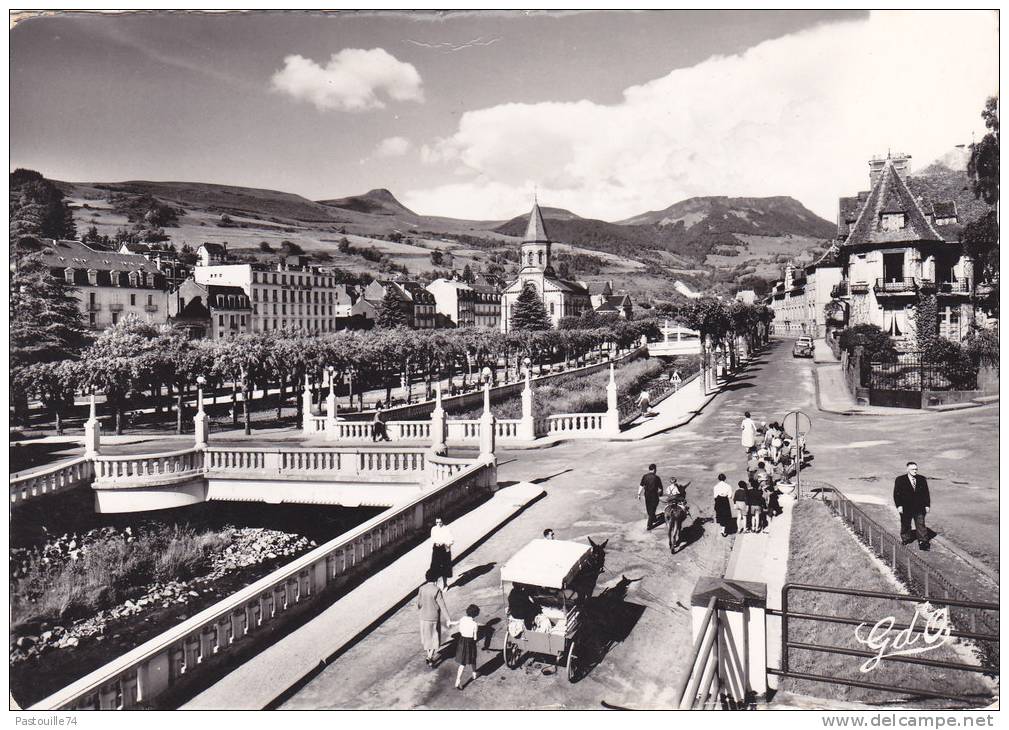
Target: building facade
[(455, 301), (109, 285), (561, 298), (211, 311), (900, 245), (282, 297)]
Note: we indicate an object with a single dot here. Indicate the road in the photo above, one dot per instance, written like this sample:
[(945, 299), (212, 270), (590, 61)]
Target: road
[(591, 488)]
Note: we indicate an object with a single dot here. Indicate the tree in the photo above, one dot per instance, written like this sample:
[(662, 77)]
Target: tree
[(265, 247), (529, 312), (983, 166), (290, 248), (392, 313), (120, 363), (53, 384), (437, 257), (467, 274), (45, 318), (344, 245), (37, 209)]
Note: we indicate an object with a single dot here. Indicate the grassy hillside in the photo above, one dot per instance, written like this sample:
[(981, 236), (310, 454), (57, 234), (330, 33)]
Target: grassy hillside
[(707, 243)]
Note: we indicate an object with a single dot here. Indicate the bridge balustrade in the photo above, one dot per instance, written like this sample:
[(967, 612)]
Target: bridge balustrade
[(49, 481), (139, 470), (165, 662)]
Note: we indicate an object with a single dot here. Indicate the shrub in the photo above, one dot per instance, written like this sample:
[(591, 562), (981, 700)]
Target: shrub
[(875, 342), (982, 344), (954, 363)]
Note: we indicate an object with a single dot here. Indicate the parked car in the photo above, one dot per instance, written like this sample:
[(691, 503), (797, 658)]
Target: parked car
[(803, 347)]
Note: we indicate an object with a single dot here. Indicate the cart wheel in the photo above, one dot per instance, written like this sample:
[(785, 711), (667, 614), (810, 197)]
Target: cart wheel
[(510, 653), (572, 658)]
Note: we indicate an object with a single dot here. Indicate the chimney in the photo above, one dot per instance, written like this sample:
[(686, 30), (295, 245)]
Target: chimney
[(901, 165)]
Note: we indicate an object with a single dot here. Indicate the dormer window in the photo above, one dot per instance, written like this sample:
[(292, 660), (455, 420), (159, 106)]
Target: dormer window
[(68, 275), (892, 221), (93, 277)]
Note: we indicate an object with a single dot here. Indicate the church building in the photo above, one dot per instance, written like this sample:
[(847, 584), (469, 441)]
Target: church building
[(561, 298)]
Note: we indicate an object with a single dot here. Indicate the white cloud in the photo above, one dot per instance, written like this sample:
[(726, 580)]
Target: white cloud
[(350, 81), (798, 115), (392, 147)]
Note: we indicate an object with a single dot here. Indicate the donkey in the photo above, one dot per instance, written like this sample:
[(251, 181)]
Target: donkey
[(676, 513)]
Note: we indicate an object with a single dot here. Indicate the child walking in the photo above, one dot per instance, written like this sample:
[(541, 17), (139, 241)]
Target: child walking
[(465, 652)]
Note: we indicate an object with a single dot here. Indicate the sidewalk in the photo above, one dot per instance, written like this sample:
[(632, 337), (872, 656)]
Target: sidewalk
[(763, 558), (833, 396), (675, 411), (268, 675)]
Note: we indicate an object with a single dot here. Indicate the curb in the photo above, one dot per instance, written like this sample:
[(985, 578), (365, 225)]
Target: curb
[(988, 400)]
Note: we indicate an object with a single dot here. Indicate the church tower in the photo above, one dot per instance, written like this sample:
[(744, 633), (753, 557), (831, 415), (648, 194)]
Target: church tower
[(536, 246)]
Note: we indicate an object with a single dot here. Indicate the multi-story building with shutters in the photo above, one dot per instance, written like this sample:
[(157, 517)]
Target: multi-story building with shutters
[(109, 285)]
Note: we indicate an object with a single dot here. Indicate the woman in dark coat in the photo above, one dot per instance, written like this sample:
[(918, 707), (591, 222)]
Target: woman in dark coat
[(723, 509)]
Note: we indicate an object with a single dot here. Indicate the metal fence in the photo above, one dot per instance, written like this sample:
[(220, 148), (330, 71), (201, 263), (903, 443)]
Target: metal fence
[(915, 573), (911, 372)]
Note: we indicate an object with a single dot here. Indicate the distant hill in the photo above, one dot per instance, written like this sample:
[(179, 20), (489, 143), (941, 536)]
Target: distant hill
[(954, 160), (775, 216), (710, 243), (374, 202)]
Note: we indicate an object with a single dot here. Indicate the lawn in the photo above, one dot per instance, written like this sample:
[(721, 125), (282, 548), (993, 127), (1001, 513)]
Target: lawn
[(824, 552)]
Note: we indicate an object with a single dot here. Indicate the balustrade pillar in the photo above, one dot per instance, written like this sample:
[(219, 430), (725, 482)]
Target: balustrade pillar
[(611, 422), (527, 424), (331, 408), (200, 420), (438, 424), (92, 432), (488, 427), (307, 424)]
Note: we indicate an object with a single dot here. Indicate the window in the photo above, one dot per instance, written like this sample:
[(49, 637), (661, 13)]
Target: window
[(115, 317), (150, 299), (91, 300), (891, 221), (551, 307), (68, 274), (92, 321), (133, 300)]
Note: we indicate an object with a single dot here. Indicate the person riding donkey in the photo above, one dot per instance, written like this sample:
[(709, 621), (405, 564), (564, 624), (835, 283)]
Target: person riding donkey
[(676, 510)]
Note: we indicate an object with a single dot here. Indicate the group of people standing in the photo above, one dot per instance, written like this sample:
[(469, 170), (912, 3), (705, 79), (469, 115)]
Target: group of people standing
[(751, 505)]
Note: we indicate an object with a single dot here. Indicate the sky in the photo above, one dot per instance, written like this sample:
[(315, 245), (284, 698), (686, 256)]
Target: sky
[(606, 113)]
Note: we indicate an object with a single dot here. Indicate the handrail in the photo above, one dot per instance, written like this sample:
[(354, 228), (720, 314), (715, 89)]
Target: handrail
[(406, 512), (160, 455), (17, 476)]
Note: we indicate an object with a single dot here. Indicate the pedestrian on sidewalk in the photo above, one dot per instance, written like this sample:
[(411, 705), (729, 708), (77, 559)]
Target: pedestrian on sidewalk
[(465, 651), (749, 433), (752, 464), (756, 515), (911, 497), (433, 612), (644, 402), (723, 510), (651, 487), (441, 551), (739, 501)]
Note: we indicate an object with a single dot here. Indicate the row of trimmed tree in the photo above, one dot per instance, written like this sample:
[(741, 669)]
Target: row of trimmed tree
[(134, 362)]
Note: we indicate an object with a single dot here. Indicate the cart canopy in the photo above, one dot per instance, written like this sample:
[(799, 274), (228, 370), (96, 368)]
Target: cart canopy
[(546, 563)]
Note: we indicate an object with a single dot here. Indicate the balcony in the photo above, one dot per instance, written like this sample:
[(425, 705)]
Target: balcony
[(115, 307), (955, 286), (151, 308), (859, 287), (927, 286), (896, 286), (839, 290)]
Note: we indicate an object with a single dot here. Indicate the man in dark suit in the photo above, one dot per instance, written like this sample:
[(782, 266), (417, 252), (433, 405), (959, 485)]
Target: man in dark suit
[(910, 495), (651, 487)]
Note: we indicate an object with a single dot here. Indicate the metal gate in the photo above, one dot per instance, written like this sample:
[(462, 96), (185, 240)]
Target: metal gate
[(789, 616)]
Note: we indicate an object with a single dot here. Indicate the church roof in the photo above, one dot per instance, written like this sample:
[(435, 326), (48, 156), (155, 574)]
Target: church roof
[(536, 232)]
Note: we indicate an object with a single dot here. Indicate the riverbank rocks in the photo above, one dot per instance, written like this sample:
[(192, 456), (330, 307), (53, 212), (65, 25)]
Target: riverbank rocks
[(249, 546)]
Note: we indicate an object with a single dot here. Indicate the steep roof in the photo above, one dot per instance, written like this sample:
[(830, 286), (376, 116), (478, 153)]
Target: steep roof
[(890, 194), (536, 231), (74, 254), (215, 249)]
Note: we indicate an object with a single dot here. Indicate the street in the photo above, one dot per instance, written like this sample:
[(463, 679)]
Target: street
[(591, 492)]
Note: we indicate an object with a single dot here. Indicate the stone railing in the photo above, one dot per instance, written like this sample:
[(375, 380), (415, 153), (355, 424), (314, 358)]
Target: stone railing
[(316, 424), (55, 479), (469, 429), (154, 673), (443, 468), (570, 424), (321, 463), (129, 471)]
